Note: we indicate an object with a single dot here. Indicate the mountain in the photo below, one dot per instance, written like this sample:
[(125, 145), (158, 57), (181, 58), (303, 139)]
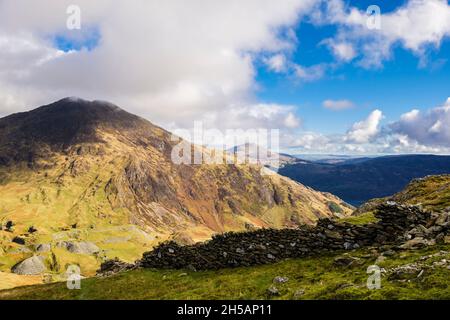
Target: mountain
[(358, 180), (82, 181)]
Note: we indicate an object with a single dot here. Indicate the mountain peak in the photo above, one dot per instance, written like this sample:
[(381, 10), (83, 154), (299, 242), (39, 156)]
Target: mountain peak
[(63, 123)]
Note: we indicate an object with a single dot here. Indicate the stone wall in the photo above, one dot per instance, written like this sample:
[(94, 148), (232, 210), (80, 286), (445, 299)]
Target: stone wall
[(267, 245)]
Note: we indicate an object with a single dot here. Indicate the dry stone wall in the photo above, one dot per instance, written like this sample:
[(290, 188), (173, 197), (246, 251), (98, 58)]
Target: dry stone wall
[(396, 222)]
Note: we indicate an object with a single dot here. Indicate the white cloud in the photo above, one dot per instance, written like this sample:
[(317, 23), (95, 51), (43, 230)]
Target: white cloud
[(308, 141), (311, 73), (430, 128), (271, 116), (173, 62), (364, 131), (276, 62), (344, 51), (414, 132), (410, 116), (337, 105), (416, 25), (291, 121)]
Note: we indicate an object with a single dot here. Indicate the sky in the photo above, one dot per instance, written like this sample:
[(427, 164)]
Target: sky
[(332, 76)]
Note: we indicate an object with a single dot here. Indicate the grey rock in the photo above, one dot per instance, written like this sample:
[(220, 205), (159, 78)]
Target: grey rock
[(299, 293), (388, 253), (273, 291), (348, 246), (417, 243), (345, 261), (43, 247), (380, 259), (31, 266), (79, 247), (280, 279)]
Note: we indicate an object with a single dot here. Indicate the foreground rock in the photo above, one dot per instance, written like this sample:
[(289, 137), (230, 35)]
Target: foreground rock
[(114, 266), (31, 266)]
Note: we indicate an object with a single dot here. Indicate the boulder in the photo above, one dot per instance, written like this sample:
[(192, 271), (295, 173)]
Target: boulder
[(273, 291), (31, 266), (79, 247), (280, 279), (417, 243), (43, 247), (345, 261), (447, 239), (299, 293)]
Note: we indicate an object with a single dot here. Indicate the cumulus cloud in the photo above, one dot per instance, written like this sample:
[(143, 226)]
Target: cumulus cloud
[(366, 130), (337, 105), (426, 128), (416, 26), (414, 132)]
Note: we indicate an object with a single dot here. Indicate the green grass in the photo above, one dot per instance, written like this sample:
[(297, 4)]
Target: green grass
[(317, 276), (365, 218)]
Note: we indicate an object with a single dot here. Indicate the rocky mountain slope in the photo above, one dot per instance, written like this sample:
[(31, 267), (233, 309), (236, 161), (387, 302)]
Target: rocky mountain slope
[(84, 181)]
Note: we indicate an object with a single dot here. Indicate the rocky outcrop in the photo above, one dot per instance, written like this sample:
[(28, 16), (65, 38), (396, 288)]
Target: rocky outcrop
[(31, 266), (113, 266), (397, 225)]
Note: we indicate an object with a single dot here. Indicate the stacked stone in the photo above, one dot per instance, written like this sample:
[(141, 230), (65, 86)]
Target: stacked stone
[(268, 245)]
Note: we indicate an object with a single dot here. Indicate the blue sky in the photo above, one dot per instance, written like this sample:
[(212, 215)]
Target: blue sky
[(400, 85)]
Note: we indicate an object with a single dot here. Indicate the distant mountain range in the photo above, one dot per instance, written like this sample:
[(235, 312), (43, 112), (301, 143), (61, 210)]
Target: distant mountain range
[(357, 180)]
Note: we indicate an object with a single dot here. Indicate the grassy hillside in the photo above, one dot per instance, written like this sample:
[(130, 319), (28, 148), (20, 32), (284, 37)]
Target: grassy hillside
[(309, 278)]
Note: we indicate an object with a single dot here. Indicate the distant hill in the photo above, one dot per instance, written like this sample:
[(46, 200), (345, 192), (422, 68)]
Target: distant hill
[(358, 180)]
